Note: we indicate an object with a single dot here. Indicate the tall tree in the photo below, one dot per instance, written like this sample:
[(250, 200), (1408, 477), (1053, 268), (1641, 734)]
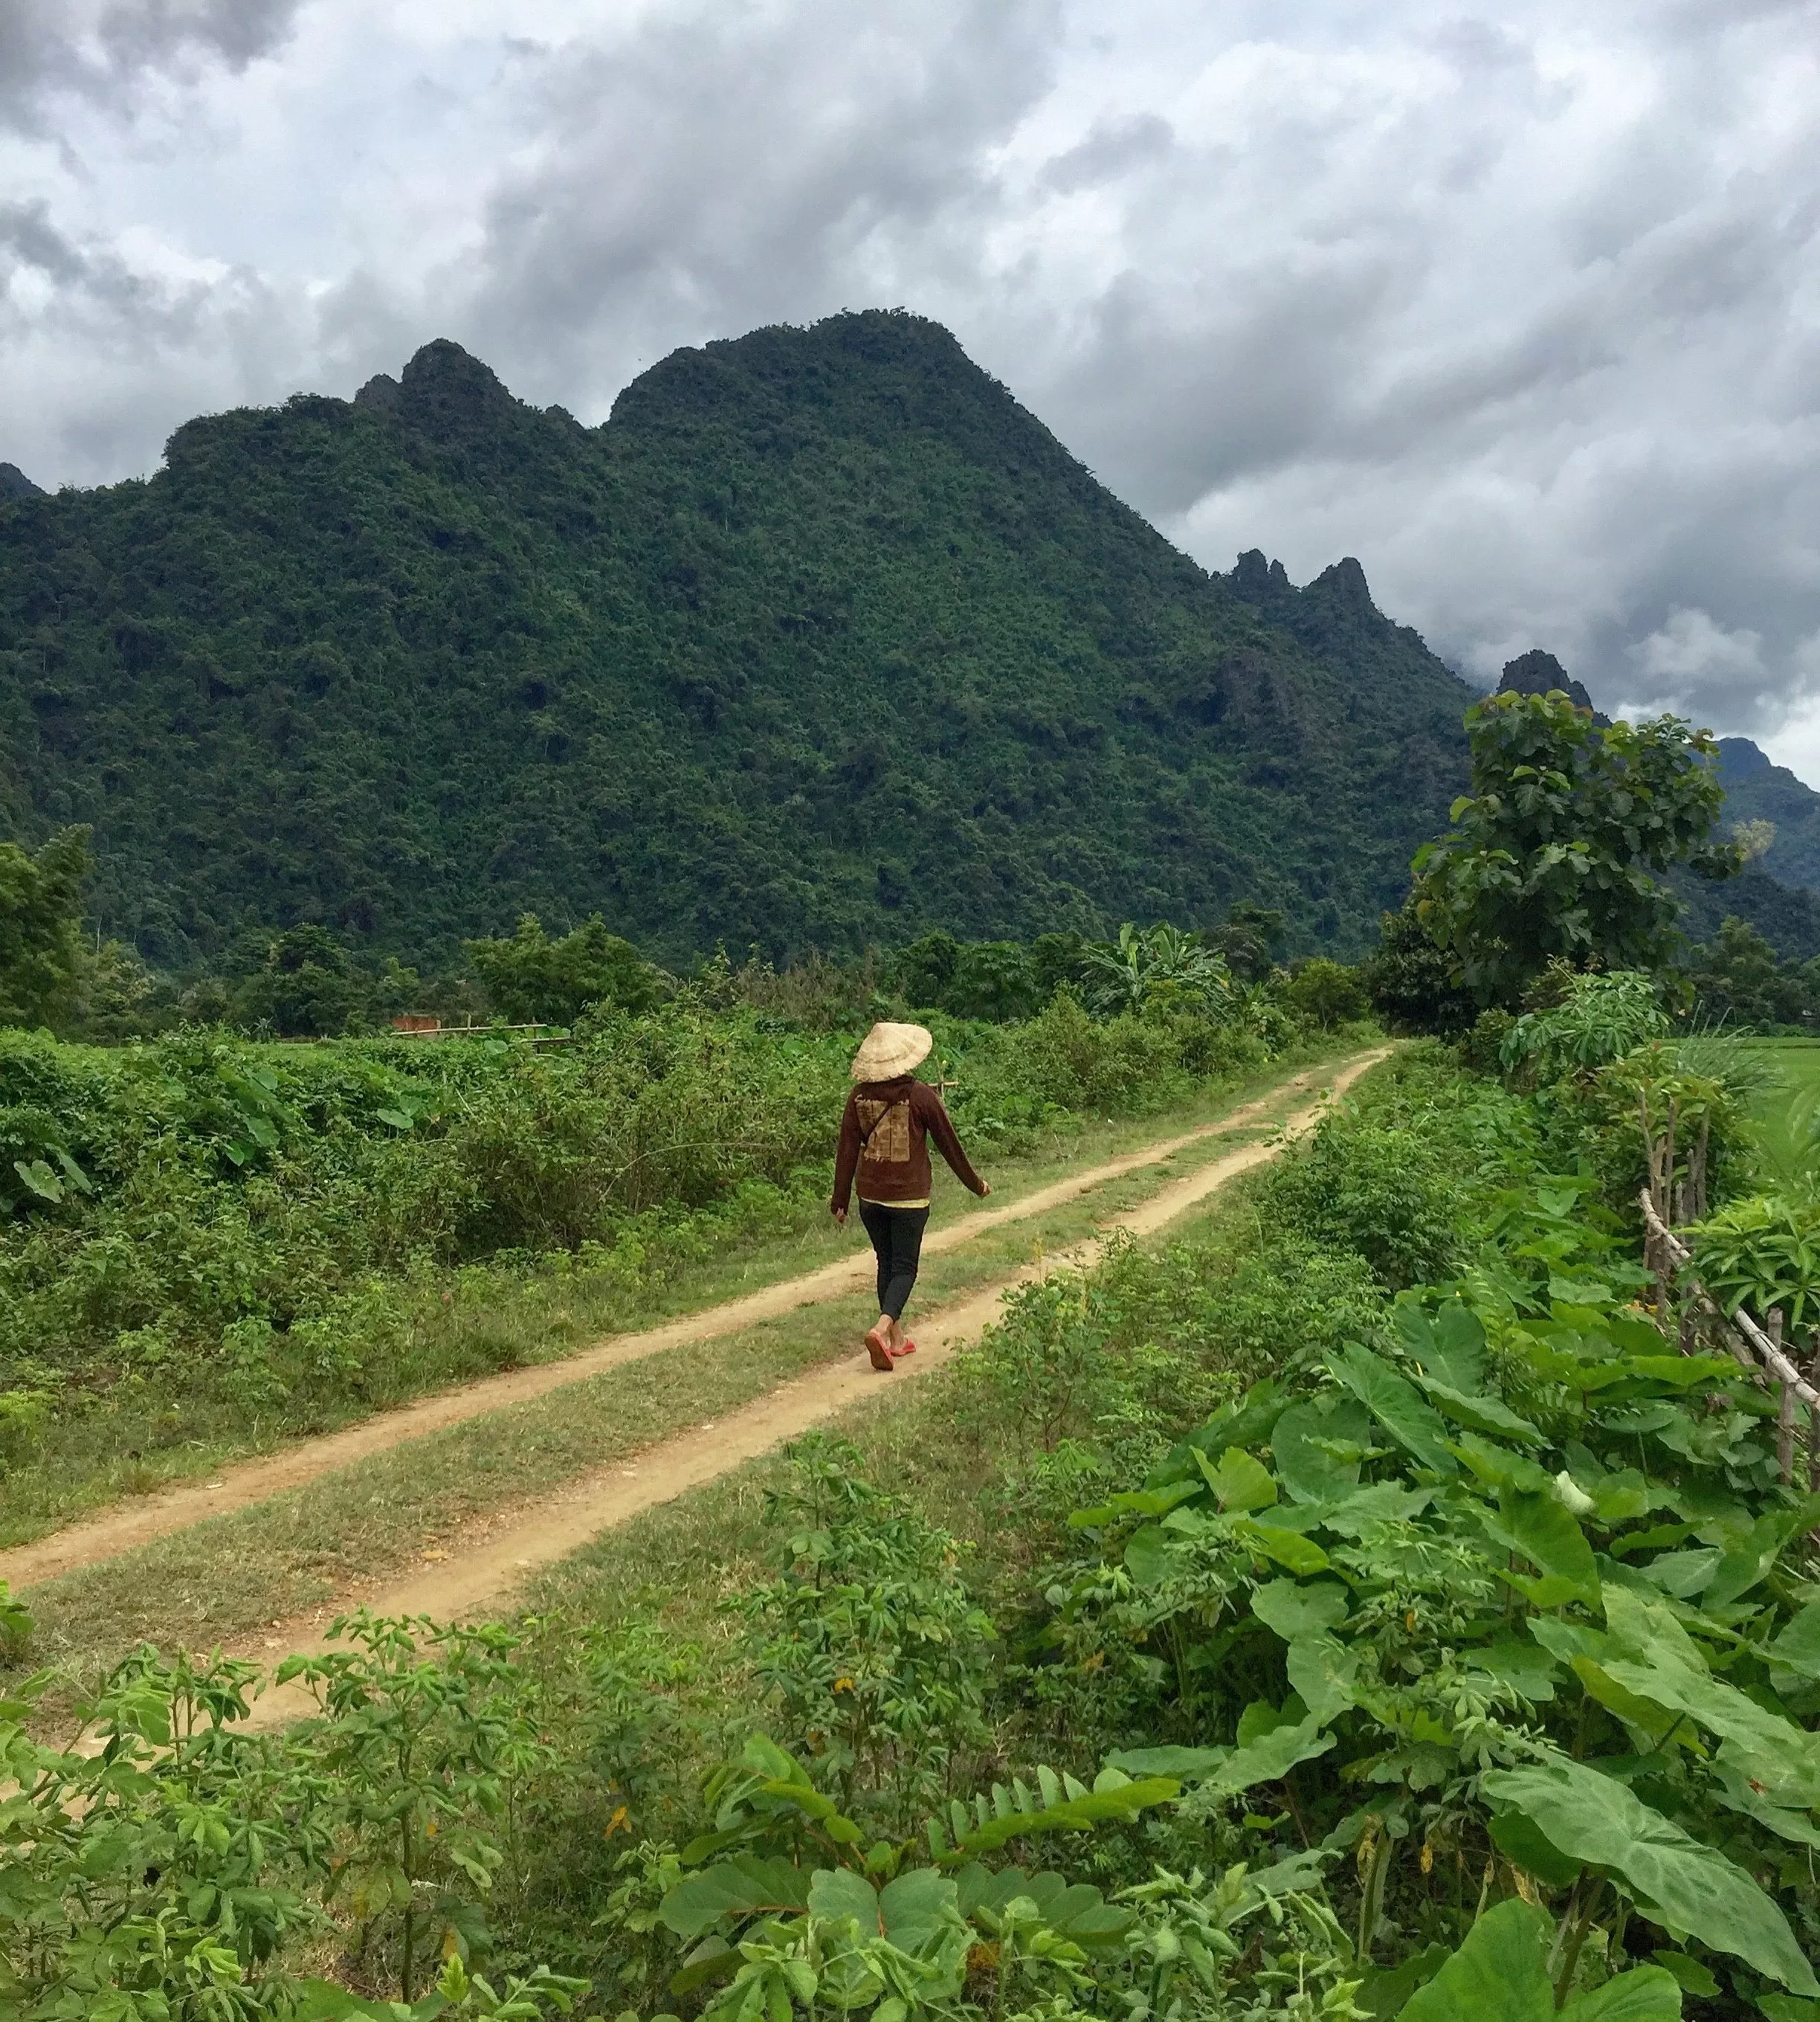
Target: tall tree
[(1555, 852), (41, 910)]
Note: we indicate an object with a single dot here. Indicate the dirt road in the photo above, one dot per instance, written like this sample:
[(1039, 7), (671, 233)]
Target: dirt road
[(121, 1527), (483, 1572)]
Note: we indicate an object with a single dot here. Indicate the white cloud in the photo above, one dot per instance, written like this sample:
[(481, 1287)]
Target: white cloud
[(1524, 312)]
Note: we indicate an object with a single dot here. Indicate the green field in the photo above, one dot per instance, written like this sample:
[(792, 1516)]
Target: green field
[(1784, 1106)]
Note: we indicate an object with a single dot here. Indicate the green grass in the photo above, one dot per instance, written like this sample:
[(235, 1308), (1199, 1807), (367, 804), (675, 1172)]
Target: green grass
[(226, 1579), (1783, 1108)]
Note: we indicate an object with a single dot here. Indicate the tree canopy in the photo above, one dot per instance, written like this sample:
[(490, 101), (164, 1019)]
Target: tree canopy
[(40, 906), (1557, 853)]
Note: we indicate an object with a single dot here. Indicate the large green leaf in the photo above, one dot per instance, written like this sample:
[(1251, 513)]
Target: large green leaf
[(1748, 1562), (1500, 1974), (1300, 1446), (1293, 1608), (1481, 1414), (1679, 1880), (1396, 1404), (1797, 1648), (1269, 1758), (1544, 1531), (731, 1891), (1241, 1481), (1449, 1348), (1321, 1671), (1284, 1548)]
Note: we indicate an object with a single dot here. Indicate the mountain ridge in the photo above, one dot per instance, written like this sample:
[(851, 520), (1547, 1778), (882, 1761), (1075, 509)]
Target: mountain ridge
[(820, 638)]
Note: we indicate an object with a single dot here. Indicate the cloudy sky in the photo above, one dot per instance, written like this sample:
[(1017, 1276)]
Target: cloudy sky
[(1520, 308)]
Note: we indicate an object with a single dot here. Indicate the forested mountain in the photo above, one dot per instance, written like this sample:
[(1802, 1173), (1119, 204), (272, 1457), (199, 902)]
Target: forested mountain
[(821, 637)]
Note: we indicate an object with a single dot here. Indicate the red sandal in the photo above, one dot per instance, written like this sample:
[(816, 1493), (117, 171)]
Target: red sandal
[(909, 1347), (879, 1351)]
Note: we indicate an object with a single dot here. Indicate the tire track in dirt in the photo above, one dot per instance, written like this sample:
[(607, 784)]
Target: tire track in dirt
[(499, 1555), (121, 1527)]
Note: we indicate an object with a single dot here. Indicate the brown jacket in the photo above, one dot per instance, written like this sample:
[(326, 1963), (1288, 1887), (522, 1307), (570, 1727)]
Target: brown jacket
[(885, 1133)]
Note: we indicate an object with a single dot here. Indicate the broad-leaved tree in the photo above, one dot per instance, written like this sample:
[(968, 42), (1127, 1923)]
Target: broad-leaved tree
[(1557, 853)]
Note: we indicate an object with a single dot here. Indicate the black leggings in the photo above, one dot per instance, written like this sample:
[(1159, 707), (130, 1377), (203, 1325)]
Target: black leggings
[(897, 1241)]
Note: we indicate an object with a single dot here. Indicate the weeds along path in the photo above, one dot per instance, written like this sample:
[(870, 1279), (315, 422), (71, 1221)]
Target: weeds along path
[(125, 1526), (478, 1577)]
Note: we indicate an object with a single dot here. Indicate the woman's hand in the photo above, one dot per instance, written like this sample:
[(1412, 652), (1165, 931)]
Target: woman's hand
[(985, 1188), (840, 1215)]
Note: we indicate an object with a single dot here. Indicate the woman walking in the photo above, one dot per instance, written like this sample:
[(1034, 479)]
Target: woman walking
[(884, 1129)]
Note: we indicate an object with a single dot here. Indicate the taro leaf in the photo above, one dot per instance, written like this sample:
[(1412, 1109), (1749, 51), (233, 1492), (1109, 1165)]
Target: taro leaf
[(1384, 1989), (1531, 1671), (1384, 1502), (1450, 1348), (1679, 1881), (399, 1119), (1240, 1482), (1540, 1528), (1270, 1758), (1683, 1574), (1261, 1718), (1642, 1713), (1687, 1973), (1786, 2008), (1523, 1846), (731, 1891), (1394, 1402), (1138, 1502), (1247, 1422), (1147, 1554), (39, 1179), (1749, 1560), (1497, 1467), (1292, 1609), (1797, 1648), (1321, 1671), (1783, 1757), (1738, 1791), (1481, 1414), (1645, 1994), (1289, 1549), (1498, 1975), (1304, 1466)]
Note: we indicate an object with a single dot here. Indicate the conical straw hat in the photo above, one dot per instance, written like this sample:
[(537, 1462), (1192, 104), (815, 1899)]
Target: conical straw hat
[(890, 1050)]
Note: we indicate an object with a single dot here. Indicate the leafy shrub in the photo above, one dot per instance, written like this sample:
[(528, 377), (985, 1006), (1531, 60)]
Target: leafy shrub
[(1598, 1020), (1327, 993), (867, 1639)]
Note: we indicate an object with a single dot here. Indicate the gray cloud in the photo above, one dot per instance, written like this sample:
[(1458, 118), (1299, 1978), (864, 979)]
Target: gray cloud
[(1524, 310), (104, 49)]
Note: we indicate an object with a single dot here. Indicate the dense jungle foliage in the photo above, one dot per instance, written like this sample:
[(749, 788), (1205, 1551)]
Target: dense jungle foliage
[(206, 1238), (820, 640), (1362, 1610)]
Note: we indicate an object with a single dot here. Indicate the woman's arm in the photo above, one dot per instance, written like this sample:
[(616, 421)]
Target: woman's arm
[(942, 1129), (846, 1160)]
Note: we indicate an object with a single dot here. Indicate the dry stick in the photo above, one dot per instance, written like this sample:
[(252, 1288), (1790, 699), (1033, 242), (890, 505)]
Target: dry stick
[(1740, 1333), (1814, 1427), (1784, 1409)]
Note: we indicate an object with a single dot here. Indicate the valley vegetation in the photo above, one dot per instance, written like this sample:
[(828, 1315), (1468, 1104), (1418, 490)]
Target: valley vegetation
[(1396, 1598)]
